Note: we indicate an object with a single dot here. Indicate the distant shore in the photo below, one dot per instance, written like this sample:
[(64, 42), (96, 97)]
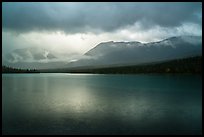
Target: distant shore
[(192, 65)]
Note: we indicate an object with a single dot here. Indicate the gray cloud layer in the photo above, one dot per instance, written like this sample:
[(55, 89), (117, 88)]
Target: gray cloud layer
[(93, 17)]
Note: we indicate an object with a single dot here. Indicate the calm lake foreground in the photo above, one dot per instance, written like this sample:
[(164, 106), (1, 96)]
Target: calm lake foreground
[(101, 104)]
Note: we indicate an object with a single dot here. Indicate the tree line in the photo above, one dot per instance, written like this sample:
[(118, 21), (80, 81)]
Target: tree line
[(8, 69), (191, 65), (188, 65)]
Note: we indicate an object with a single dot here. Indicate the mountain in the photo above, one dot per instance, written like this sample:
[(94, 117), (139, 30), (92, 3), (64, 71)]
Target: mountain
[(106, 54), (29, 54), (190, 65), (36, 58), (133, 53)]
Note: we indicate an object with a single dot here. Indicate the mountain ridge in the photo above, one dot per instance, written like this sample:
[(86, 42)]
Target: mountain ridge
[(109, 54), (134, 52)]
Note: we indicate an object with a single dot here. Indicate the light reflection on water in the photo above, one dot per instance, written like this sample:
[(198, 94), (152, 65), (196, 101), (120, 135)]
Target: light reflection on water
[(101, 104)]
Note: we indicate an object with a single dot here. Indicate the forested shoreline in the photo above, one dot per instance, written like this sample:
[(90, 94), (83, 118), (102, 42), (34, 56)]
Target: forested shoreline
[(192, 65)]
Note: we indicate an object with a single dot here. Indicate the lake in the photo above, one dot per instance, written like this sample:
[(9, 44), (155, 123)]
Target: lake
[(65, 103)]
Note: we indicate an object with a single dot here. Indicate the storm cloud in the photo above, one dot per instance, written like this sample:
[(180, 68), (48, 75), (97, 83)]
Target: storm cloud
[(97, 17)]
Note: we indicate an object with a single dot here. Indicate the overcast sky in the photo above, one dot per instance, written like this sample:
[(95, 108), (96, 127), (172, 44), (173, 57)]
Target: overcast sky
[(78, 27)]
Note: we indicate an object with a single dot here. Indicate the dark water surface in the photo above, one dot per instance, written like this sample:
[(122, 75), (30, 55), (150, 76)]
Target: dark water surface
[(101, 104)]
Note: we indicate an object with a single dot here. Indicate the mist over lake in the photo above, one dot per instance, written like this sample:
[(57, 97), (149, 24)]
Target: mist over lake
[(101, 104)]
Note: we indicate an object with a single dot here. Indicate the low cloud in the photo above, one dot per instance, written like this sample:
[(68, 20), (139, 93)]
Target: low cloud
[(96, 17)]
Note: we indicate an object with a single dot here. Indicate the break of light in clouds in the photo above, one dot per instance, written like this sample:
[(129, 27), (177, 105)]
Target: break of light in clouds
[(78, 27)]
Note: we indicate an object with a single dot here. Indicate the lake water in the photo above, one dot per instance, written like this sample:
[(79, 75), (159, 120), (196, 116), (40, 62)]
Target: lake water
[(101, 104)]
